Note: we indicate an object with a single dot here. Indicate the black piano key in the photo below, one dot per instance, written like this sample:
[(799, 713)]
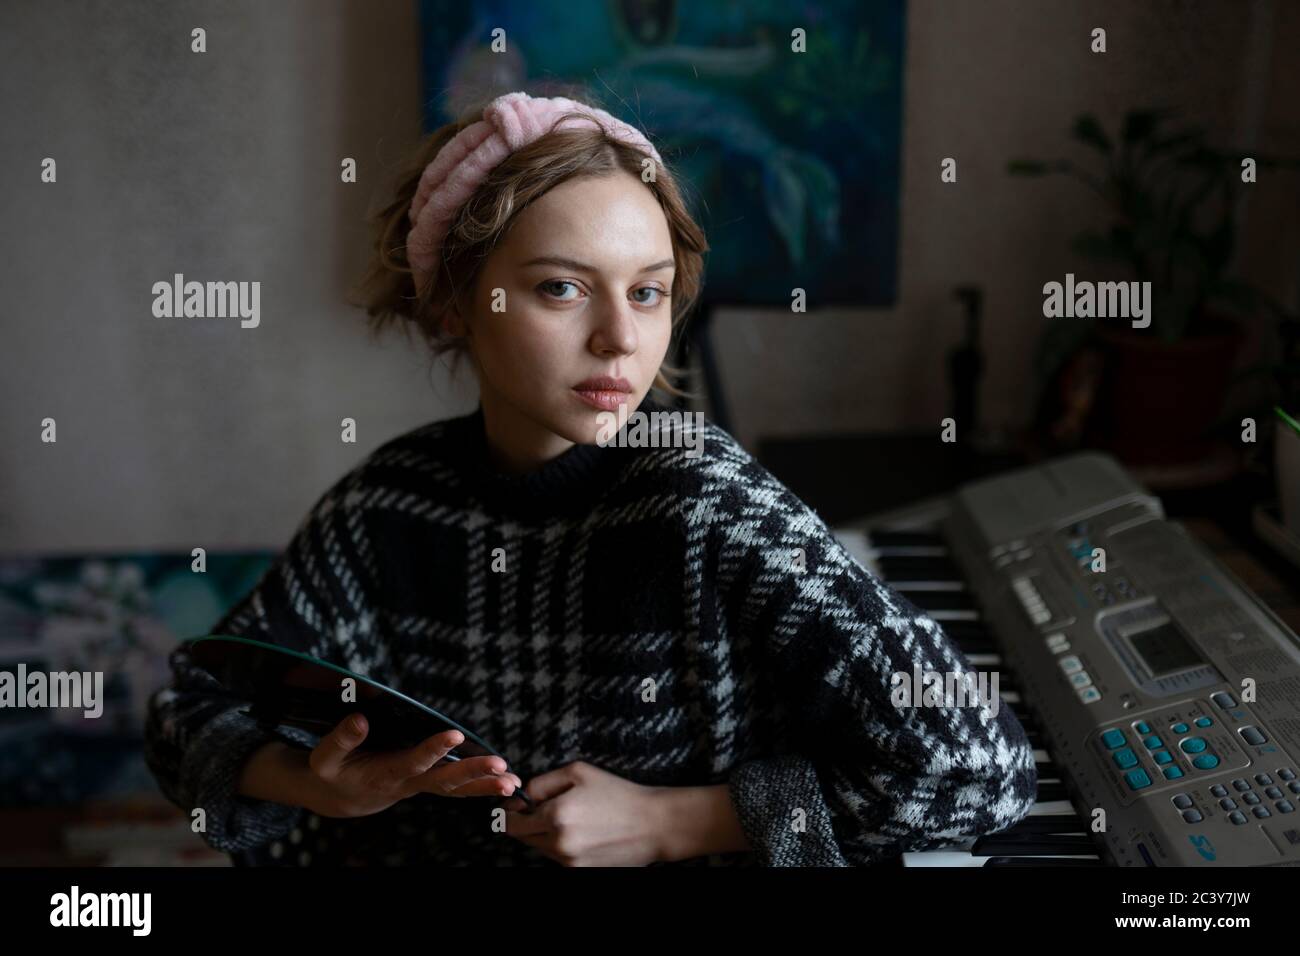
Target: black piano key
[(995, 844), (1033, 732), (1059, 823), (911, 552), (1042, 861), (906, 568), (969, 644), (963, 633), (939, 600), (1052, 791), (1048, 771), (905, 539), (1026, 720), (967, 630)]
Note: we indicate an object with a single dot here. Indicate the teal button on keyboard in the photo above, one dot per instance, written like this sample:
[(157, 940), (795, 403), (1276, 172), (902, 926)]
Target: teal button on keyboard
[(1113, 739), (1137, 779), (1125, 758)]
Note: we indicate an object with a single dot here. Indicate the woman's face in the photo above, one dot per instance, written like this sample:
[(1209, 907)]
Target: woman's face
[(577, 289)]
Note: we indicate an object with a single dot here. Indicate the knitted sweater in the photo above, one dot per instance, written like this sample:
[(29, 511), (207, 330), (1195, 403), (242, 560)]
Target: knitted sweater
[(769, 647)]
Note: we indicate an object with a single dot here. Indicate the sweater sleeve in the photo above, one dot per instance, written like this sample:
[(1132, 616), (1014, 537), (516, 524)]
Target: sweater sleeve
[(197, 738), (861, 777)]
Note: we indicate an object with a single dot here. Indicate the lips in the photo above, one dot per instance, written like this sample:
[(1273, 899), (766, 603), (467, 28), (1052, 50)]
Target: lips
[(603, 392), (603, 383)]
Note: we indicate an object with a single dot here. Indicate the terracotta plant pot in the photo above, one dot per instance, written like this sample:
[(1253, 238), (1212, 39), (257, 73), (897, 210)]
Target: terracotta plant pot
[(1157, 400)]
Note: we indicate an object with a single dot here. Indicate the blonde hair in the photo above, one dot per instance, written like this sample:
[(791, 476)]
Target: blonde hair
[(387, 292)]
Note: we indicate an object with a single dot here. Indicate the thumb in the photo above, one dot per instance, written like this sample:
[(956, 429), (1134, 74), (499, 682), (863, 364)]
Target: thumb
[(328, 756), (550, 784)]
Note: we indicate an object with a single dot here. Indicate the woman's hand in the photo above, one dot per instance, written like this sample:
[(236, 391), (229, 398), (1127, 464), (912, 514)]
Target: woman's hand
[(589, 817), (347, 784)]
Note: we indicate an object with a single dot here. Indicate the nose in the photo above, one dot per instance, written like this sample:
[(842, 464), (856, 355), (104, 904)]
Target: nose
[(615, 331)]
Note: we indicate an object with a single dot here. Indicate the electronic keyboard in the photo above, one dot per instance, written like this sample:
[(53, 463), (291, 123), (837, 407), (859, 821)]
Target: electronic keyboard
[(1161, 697)]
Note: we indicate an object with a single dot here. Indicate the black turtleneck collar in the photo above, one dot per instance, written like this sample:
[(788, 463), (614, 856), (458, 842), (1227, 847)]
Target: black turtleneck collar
[(568, 479)]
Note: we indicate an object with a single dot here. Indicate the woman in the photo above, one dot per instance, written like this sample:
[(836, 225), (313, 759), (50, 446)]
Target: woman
[(678, 658)]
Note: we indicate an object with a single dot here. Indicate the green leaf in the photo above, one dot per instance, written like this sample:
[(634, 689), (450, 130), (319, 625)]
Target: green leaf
[(1139, 124), (1175, 142), (1088, 130)]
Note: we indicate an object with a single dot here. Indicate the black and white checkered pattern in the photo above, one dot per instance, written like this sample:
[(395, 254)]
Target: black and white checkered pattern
[(622, 565)]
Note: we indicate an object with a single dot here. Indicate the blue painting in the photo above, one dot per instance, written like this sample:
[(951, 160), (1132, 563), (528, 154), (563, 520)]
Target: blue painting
[(790, 159)]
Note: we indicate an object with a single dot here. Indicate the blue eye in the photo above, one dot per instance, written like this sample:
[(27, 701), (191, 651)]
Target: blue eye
[(548, 289), (555, 282), (649, 288)]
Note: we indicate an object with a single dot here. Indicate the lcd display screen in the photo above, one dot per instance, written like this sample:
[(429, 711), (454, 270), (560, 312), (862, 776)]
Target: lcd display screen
[(1164, 649)]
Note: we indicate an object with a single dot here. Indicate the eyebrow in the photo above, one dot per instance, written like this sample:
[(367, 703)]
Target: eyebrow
[(584, 267)]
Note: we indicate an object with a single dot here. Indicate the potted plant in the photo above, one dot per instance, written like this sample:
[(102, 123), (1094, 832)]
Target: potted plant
[(1278, 402), (1152, 395), (1288, 469)]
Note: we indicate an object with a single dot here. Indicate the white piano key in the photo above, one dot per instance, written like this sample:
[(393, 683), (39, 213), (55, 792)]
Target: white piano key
[(855, 543), (925, 515), (909, 551), (955, 587), (943, 858), (967, 615), (1046, 808), (957, 858)]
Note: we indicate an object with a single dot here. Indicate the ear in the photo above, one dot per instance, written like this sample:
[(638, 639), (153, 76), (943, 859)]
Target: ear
[(453, 323)]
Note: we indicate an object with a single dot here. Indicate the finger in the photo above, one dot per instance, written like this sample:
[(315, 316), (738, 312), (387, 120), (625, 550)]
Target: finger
[(328, 755), (533, 824), (515, 805), (551, 784), (491, 786), (523, 800), (399, 768), (474, 776), (416, 760)]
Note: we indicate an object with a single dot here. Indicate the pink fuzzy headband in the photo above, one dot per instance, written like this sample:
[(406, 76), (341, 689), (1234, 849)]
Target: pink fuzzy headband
[(509, 123)]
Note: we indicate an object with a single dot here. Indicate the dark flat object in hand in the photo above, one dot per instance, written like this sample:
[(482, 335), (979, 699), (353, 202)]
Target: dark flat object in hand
[(286, 687)]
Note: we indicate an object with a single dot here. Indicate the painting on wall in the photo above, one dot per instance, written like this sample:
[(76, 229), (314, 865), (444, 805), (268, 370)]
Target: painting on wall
[(119, 616), (783, 119)]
